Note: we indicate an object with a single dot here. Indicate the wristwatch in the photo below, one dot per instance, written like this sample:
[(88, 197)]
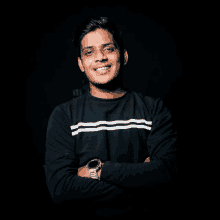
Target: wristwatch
[(93, 167)]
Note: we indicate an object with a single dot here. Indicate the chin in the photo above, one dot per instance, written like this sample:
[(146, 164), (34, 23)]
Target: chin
[(108, 84), (104, 79)]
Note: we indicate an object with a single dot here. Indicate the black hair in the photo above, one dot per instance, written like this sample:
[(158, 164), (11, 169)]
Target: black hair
[(91, 24)]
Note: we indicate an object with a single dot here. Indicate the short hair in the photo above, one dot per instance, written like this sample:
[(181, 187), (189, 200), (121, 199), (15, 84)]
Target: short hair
[(93, 23)]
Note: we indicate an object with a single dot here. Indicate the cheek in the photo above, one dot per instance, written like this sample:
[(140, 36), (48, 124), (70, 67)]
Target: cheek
[(89, 65), (115, 61), (117, 65)]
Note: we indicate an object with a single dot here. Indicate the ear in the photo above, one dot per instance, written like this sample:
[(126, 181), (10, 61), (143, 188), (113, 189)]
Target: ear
[(80, 64), (125, 57)]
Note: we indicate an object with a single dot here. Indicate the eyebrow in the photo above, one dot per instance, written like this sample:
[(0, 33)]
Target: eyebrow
[(92, 46)]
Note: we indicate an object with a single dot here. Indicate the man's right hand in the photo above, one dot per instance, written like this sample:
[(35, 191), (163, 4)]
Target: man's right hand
[(147, 160)]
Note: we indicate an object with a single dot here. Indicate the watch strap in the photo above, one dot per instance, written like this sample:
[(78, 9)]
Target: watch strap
[(93, 174)]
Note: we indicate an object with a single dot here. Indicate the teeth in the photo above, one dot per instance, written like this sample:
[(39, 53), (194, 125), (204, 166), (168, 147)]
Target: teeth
[(103, 68)]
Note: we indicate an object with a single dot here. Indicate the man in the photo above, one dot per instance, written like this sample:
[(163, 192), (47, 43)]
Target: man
[(110, 147), (105, 83)]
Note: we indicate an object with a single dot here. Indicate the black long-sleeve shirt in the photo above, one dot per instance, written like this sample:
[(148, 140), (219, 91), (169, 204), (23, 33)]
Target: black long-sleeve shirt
[(122, 133)]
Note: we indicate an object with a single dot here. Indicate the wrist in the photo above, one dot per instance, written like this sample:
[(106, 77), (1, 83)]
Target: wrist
[(99, 173)]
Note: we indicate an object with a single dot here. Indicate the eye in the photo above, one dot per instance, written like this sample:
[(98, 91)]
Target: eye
[(88, 52), (112, 48)]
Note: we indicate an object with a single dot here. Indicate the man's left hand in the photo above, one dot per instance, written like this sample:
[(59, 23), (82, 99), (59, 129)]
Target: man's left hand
[(83, 172)]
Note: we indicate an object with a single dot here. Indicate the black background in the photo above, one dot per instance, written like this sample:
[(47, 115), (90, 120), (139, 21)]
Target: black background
[(157, 39)]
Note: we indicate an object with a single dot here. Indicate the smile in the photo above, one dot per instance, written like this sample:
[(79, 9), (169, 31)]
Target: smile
[(103, 68)]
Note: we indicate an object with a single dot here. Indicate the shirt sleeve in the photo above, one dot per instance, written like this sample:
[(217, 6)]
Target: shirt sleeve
[(61, 167), (162, 168)]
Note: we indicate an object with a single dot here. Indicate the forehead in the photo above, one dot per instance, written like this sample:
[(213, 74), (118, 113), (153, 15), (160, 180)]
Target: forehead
[(97, 38)]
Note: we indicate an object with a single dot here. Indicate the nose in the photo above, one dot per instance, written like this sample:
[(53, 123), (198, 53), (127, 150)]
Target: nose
[(101, 56)]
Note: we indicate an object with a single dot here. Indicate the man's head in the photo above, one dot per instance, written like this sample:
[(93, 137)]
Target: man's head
[(98, 44)]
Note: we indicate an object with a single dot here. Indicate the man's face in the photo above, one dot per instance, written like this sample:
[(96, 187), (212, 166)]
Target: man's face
[(98, 50)]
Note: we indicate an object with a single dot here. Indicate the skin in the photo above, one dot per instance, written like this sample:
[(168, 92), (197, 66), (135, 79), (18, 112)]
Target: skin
[(104, 86), (83, 172)]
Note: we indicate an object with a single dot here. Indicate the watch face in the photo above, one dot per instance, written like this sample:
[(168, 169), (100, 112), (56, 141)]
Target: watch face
[(93, 164)]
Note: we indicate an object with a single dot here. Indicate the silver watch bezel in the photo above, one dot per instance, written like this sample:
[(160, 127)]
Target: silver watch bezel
[(93, 171)]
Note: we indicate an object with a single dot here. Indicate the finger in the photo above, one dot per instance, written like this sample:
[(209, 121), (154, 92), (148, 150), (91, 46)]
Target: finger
[(147, 160)]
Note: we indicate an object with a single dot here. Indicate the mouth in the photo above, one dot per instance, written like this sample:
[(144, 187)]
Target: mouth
[(103, 68)]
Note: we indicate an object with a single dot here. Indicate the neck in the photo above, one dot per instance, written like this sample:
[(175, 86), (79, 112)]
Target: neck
[(106, 94)]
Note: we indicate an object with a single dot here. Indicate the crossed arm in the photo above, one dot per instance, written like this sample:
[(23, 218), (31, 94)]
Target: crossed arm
[(83, 171)]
